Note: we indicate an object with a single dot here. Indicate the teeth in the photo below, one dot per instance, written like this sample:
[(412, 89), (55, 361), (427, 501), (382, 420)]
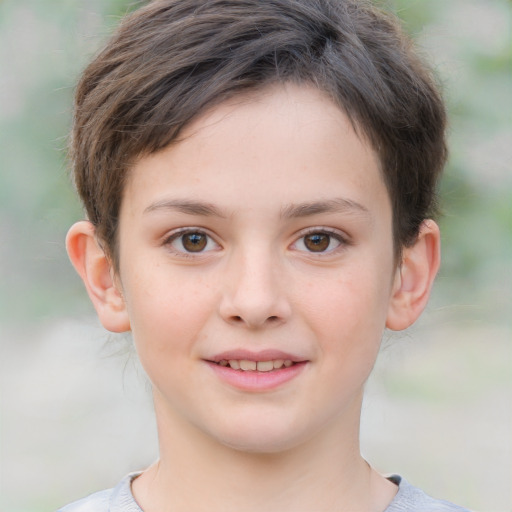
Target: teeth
[(261, 366), (247, 365), (265, 366)]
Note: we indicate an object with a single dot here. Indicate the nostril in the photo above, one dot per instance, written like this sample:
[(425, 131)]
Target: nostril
[(239, 319), (236, 319)]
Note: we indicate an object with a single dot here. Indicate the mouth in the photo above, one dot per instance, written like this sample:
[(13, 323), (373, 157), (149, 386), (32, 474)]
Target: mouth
[(247, 365), (257, 372)]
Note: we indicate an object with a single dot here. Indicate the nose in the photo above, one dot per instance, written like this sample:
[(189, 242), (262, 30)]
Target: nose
[(253, 292)]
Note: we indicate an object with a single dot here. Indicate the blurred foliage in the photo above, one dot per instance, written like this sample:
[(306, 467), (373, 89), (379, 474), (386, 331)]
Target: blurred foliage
[(44, 45)]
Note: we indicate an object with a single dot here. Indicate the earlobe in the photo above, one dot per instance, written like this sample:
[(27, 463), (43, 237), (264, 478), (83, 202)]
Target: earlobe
[(93, 266), (414, 278)]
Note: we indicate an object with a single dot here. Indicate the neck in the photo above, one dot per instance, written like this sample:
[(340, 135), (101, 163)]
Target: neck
[(195, 472)]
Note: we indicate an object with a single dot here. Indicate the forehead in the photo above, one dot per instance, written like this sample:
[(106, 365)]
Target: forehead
[(285, 144)]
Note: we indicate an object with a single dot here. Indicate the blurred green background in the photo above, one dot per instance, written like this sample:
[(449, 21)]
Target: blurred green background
[(454, 371)]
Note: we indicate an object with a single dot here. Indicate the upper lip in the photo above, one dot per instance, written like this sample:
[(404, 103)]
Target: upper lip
[(262, 355)]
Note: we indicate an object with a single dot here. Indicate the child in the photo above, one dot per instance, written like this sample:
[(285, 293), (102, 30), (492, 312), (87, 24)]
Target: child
[(259, 178)]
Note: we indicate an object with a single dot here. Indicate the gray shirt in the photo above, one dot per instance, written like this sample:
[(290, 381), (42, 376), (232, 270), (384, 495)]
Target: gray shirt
[(120, 499)]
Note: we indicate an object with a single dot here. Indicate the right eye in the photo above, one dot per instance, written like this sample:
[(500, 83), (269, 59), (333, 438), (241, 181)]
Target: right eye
[(191, 242)]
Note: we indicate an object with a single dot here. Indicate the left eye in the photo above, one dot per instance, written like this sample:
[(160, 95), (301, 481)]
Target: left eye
[(191, 242), (318, 242)]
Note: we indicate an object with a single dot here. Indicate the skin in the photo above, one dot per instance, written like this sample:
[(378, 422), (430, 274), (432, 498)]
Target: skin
[(244, 178)]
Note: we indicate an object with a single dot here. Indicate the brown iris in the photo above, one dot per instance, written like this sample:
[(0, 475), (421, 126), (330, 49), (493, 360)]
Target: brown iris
[(317, 242), (194, 242)]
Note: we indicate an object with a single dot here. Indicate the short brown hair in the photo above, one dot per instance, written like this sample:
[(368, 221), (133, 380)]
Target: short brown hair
[(172, 59)]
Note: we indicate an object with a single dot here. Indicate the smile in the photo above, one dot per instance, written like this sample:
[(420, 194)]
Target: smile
[(262, 372), (260, 366)]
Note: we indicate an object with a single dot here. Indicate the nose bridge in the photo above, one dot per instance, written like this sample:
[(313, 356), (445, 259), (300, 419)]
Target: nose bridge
[(254, 294)]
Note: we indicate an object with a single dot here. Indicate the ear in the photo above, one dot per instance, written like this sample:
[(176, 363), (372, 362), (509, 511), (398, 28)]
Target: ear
[(93, 266), (414, 278)]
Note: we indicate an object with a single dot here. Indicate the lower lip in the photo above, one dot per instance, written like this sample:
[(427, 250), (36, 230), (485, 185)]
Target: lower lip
[(254, 380)]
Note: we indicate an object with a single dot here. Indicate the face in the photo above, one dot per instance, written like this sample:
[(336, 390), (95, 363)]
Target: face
[(256, 265)]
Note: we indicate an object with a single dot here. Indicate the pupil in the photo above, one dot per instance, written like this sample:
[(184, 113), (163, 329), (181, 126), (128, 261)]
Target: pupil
[(194, 242), (317, 242)]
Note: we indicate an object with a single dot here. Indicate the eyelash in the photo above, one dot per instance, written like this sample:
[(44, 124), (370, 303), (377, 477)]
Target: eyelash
[(342, 240), (177, 235), (338, 237)]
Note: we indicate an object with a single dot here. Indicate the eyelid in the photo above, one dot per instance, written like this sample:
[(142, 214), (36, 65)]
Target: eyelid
[(340, 236), (169, 238)]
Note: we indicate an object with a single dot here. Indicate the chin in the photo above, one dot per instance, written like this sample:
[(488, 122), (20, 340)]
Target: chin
[(260, 438), (259, 446)]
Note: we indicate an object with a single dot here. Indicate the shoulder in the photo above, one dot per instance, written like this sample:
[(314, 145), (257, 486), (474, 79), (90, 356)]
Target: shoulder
[(118, 499), (412, 499), (97, 502)]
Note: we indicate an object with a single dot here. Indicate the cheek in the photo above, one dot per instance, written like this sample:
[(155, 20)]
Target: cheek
[(350, 297), (348, 312), (167, 311)]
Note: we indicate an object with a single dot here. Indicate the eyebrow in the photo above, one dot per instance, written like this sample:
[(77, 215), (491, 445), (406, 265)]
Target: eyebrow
[(187, 206), (193, 207), (337, 205)]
